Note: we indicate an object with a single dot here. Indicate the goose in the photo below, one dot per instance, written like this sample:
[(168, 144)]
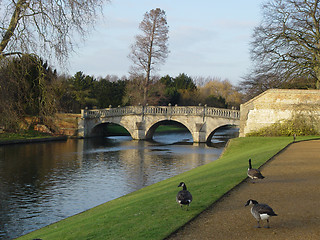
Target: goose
[(184, 197), (261, 211), (254, 173)]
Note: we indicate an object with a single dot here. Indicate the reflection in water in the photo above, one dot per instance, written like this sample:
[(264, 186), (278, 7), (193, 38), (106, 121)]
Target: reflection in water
[(46, 182)]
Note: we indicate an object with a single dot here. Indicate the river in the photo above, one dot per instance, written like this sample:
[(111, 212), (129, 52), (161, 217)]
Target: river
[(42, 183)]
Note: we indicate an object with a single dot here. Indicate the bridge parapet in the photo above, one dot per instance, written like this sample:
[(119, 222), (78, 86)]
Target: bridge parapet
[(162, 110), (111, 112)]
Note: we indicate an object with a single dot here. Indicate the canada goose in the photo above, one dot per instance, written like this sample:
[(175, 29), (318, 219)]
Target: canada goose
[(184, 197), (254, 173), (261, 211)]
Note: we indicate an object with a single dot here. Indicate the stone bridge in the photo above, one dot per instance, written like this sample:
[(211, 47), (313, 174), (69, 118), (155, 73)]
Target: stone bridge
[(142, 121)]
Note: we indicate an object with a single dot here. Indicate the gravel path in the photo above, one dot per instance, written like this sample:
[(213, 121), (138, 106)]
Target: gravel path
[(291, 187)]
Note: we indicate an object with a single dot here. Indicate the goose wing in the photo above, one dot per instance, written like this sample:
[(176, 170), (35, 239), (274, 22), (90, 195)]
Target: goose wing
[(265, 209), (254, 173)]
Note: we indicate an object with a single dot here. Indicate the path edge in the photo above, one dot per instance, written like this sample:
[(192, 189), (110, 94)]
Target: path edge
[(235, 187)]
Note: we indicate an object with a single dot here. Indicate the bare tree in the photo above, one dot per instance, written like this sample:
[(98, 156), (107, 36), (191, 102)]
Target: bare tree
[(46, 27), (286, 45), (259, 81), (134, 87), (151, 47)]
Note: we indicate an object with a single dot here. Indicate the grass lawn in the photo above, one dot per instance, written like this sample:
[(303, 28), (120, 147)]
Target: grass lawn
[(22, 135), (171, 128), (152, 212)]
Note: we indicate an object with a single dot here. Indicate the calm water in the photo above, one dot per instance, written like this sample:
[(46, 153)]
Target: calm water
[(46, 182)]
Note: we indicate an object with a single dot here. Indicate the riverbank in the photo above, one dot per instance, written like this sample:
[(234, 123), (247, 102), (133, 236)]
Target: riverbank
[(152, 213), (33, 140), (36, 137), (291, 188)]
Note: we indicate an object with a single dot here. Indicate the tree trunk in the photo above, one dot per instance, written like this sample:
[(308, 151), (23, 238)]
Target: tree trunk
[(20, 7), (145, 91)]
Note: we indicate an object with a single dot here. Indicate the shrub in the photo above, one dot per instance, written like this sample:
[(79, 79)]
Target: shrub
[(300, 124)]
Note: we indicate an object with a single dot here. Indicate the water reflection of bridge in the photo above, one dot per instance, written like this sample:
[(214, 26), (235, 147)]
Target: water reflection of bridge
[(142, 121)]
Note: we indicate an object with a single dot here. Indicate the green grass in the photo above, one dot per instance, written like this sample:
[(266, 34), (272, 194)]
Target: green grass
[(30, 134), (171, 128), (115, 129), (152, 213)]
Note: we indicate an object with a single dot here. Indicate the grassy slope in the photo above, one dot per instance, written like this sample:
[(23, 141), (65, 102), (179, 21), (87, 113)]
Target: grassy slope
[(152, 213)]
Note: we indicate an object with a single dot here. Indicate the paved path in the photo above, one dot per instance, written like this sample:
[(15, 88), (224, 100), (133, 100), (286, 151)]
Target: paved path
[(291, 187)]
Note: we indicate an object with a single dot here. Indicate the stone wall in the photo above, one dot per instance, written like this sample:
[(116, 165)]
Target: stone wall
[(275, 105), (67, 124)]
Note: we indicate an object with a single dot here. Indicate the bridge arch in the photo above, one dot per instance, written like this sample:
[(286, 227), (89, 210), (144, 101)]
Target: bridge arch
[(209, 137), (100, 129), (151, 130)]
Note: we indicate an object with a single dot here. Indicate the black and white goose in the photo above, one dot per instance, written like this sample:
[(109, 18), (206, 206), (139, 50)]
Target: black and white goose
[(261, 211), (184, 197), (254, 173)]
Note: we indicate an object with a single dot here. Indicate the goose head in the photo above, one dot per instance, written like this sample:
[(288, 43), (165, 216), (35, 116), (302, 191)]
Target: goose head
[(251, 201), (182, 184)]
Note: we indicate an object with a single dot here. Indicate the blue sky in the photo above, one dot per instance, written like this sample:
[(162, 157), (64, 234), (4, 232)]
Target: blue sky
[(207, 38)]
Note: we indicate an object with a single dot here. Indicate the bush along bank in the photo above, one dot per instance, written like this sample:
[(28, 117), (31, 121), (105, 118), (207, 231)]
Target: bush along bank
[(152, 212)]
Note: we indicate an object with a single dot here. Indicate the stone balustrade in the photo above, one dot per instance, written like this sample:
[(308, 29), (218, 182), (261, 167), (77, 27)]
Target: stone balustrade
[(163, 111)]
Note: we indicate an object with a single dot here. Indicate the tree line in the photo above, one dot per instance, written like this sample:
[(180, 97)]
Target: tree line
[(30, 87), (285, 52)]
